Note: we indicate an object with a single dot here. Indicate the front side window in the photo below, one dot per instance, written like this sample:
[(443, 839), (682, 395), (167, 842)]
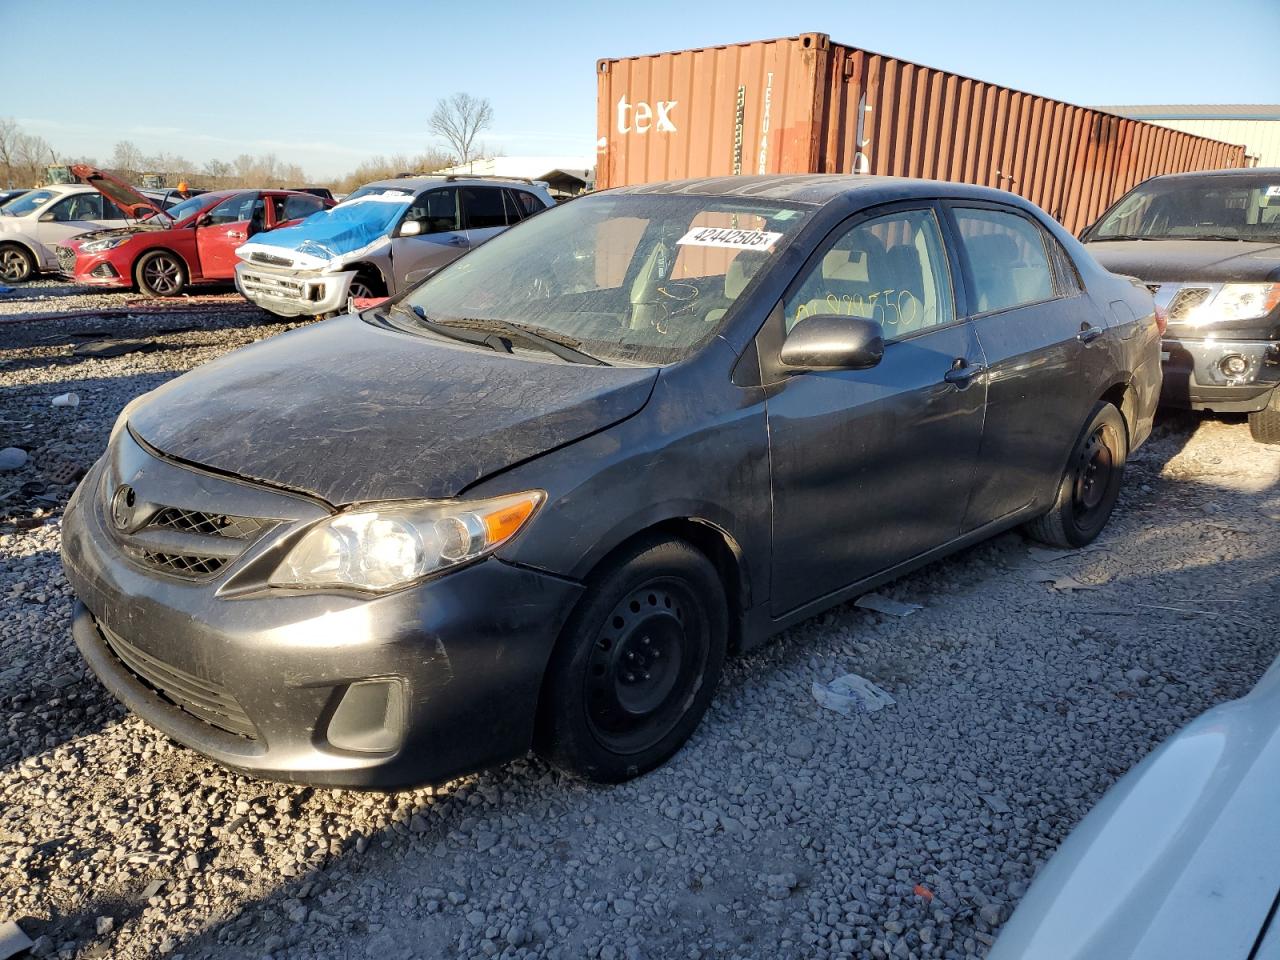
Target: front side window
[(437, 211), (629, 278), (233, 210), (891, 269), (1235, 207), (78, 206), (485, 207), (1007, 259)]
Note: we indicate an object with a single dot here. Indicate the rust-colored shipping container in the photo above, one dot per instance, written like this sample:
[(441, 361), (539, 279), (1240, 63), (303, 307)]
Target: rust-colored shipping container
[(804, 104)]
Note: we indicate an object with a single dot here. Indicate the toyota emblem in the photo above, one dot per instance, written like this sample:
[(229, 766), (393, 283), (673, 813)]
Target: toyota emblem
[(122, 502)]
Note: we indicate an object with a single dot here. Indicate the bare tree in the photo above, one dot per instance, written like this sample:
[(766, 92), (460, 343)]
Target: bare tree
[(126, 158), (458, 120)]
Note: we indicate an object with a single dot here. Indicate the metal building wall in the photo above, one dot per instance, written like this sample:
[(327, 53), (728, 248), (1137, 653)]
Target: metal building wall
[(804, 104), (1261, 138)]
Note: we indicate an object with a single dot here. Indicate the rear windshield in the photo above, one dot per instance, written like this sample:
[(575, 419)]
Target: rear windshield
[(1245, 207), (631, 278)]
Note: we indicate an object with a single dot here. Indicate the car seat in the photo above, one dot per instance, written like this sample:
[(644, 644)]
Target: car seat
[(902, 283), (992, 257)]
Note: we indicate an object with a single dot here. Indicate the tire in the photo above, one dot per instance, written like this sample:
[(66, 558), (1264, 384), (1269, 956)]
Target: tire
[(1264, 425), (1090, 485), (365, 285), (636, 665), (16, 263), (161, 274)]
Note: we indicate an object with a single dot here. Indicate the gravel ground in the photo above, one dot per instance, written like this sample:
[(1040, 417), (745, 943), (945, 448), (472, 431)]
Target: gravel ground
[(781, 830)]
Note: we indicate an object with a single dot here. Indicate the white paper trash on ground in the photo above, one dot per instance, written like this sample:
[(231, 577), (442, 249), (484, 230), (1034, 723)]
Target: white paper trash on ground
[(852, 694), (894, 608)]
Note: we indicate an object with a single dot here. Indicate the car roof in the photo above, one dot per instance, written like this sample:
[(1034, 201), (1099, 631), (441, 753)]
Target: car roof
[(417, 183), (1261, 173), (821, 188)]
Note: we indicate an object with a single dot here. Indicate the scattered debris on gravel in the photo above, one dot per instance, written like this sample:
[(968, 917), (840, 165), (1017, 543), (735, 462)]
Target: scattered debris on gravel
[(1028, 681)]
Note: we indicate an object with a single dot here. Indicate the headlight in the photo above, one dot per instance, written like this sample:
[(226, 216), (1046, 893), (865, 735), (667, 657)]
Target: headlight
[(387, 546), (1239, 301), (106, 243)]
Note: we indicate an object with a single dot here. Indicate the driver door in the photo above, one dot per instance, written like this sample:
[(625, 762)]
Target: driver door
[(65, 219), (224, 228), (439, 241), (871, 468)]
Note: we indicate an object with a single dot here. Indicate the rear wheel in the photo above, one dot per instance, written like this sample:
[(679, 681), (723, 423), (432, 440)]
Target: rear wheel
[(16, 263), (1265, 424), (161, 274), (637, 665), (1090, 485)]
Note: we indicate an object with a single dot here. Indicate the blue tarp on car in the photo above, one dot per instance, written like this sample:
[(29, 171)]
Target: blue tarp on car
[(352, 225)]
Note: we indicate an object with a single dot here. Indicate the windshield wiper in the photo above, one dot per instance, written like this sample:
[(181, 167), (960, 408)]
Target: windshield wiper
[(481, 330), (451, 332), (1124, 237)]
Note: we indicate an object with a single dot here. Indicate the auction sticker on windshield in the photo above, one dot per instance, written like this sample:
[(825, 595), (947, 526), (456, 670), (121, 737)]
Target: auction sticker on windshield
[(734, 239)]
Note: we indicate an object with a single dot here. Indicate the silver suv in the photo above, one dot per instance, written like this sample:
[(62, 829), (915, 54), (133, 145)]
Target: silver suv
[(380, 240)]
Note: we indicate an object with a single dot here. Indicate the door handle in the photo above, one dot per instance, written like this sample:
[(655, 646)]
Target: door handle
[(236, 236), (1089, 333), (962, 373), (458, 241)]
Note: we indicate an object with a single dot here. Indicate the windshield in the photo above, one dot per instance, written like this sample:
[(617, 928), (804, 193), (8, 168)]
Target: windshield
[(20, 206), (636, 278), (384, 193), (180, 211), (1246, 207)]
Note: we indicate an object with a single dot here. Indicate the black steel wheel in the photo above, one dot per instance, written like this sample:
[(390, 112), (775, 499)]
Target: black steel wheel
[(1090, 484), (16, 263), (637, 664), (161, 274)]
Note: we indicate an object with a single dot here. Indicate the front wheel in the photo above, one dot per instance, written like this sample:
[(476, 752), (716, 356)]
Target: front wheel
[(161, 274), (1090, 485), (16, 263), (1264, 426), (636, 666)]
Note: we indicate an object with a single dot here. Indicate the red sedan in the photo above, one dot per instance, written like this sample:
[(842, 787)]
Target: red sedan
[(163, 252)]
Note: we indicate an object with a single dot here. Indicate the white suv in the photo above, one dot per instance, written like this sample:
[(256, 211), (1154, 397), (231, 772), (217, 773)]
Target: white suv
[(32, 224)]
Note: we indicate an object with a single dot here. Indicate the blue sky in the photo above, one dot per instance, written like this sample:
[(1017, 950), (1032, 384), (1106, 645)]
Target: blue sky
[(327, 84)]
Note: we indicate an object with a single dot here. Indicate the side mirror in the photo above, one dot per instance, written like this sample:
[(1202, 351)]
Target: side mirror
[(832, 342), (47, 217), (410, 228), (205, 220)]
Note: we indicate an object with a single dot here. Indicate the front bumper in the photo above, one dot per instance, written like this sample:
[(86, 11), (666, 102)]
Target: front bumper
[(98, 270), (414, 687), (293, 293), (1194, 376)]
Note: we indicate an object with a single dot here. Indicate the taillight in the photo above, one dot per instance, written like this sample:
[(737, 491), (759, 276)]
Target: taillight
[(1162, 319)]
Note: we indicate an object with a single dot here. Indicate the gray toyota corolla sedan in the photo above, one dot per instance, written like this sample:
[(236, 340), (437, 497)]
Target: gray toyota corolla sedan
[(536, 500)]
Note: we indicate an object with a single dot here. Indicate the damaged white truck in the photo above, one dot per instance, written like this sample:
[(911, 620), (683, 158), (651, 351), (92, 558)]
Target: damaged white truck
[(379, 241)]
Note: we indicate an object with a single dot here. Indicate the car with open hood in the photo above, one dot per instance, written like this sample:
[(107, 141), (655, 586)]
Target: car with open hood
[(1180, 859), (380, 240), (1208, 245), (162, 252), (537, 499), (35, 223)]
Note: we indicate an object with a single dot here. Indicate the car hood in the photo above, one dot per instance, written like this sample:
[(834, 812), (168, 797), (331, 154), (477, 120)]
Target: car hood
[(1207, 261), (351, 228), (115, 232), (350, 412), (1181, 858), (133, 203)]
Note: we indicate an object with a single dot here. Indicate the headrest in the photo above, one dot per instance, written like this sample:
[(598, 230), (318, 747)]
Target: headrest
[(741, 269)]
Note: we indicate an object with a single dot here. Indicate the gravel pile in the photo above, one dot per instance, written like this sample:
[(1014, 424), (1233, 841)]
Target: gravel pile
[(782, 830)]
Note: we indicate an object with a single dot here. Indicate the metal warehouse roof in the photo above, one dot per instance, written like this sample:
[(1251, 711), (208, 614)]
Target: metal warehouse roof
[(1196, 111)]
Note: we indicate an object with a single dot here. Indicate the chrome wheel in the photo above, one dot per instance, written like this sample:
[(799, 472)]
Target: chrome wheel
[(15, 265), (162, 275), (360, 290)]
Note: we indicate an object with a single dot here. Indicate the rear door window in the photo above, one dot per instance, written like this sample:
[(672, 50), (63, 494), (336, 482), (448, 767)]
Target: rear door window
[(484, 207), (1008, 262), (529, 204), (437, 211)]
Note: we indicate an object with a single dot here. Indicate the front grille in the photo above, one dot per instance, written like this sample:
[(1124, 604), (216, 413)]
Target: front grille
[(66, 260), (1185, 302), (259, 257), (192, 544), (264, 284), (203, 699), (209, 524)]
